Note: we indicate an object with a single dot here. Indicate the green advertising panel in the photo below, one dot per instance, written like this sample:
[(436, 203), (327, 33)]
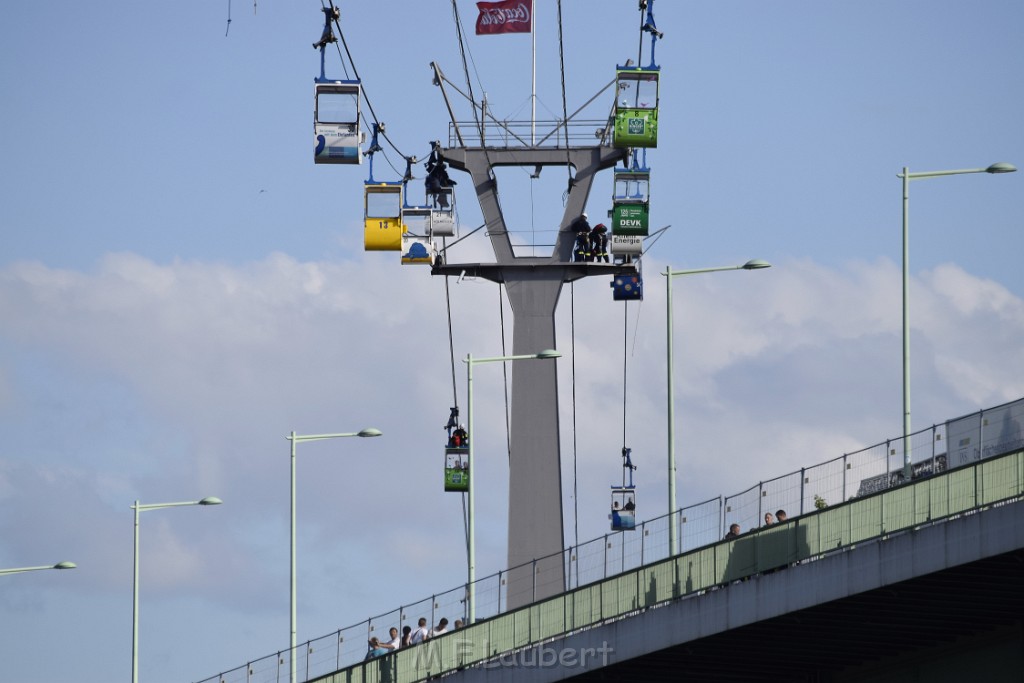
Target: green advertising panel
[(630, 219), (456, 469)]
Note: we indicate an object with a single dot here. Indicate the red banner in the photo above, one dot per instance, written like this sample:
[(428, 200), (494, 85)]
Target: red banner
[(506, 16)]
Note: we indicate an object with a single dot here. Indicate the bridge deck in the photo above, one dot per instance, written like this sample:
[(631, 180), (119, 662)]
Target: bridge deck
[(908, 564)]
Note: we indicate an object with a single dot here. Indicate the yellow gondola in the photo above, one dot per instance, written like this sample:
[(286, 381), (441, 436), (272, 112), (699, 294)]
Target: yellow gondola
[(382, 216)]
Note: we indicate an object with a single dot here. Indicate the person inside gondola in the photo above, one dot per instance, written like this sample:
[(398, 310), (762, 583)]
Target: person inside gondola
[(629, 505), (616, 517)]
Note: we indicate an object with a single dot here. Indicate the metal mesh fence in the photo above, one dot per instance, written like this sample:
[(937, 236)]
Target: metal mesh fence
[(934, 450)]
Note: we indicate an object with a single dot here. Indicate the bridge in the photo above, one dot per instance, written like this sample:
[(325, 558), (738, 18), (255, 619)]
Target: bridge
[(918, 580)]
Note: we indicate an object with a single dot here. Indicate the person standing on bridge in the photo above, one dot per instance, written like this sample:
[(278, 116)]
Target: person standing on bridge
[(395, 641), (442, 627), (734, 532), (420, 634)]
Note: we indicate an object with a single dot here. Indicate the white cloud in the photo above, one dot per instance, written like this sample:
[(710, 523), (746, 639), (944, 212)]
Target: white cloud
[(168, 382)]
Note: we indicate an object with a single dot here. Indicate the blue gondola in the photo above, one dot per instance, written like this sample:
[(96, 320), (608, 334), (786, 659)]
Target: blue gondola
[(628, 287)]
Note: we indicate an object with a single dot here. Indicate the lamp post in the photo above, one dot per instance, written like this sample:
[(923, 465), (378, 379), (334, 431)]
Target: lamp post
[(138, 507), (754, 264), (907, 176), (297, 439), (471, 531), (59, 565)]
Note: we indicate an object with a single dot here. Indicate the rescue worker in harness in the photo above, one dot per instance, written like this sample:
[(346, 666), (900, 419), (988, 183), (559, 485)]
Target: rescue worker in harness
[(581, 248)]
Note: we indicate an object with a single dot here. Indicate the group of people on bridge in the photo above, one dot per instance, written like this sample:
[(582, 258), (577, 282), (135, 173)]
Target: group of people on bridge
[(780, 516), (377, 647)]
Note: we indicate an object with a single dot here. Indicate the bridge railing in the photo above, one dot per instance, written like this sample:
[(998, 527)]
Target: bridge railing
[(844, 501)]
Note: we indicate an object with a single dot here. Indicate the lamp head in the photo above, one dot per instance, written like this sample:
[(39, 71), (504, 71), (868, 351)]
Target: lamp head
[(549, 353), (756, 264), (65, 565), (1001, 167), (370, 431), (211, 500)]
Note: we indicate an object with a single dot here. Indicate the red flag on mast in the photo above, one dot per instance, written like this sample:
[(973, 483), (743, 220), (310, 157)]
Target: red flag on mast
[(505, 16)]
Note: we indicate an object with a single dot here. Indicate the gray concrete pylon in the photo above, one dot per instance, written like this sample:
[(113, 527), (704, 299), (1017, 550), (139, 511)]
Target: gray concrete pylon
[(533, 285)]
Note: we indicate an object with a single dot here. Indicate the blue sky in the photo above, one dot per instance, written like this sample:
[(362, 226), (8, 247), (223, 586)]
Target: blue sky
[(181, 287)]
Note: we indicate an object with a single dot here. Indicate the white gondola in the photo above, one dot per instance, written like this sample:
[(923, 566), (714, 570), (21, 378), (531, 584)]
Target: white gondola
[(417, 250), (442, 222), (623, 514), (623, 508), (336, 122)]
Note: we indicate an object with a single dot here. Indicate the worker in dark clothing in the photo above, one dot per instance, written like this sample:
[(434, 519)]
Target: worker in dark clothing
[(581, 248), (599, 243)]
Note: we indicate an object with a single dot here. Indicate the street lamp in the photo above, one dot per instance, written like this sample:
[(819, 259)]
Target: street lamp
[(296, 439), (754, 264), (1001, 167), (138, 507), (59, 565), (470, 362)]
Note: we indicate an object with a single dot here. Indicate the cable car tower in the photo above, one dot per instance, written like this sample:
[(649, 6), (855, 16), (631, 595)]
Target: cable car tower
[(533, 285)]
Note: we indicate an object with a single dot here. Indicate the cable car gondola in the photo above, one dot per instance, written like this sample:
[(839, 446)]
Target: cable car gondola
[(636, 107), (628, 287), (336, 113), (336, 122), (440, 190), (623, 513), (631, 200), (417, 249), (636, 100), (456, 455), (382, 216)]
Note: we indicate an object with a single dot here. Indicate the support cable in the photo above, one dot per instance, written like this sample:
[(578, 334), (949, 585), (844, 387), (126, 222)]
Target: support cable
[(565, 107), (455, 394), (625, 339), (369, 105), (481, 117), (572, 340), (504, 371)]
